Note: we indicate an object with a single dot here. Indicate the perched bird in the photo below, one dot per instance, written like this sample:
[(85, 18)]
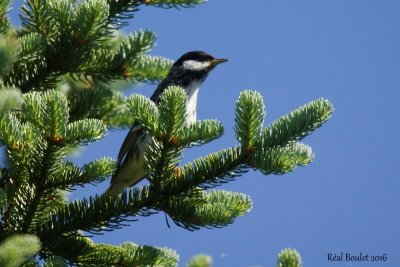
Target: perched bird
[(189, 72)]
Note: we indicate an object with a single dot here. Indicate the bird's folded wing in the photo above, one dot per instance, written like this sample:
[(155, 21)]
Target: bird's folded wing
[(130, 140)]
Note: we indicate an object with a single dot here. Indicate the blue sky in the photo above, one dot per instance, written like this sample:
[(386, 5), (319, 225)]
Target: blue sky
[(292, 52)]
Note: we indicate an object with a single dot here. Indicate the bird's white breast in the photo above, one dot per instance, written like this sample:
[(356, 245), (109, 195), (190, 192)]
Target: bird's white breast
[(193, 90)]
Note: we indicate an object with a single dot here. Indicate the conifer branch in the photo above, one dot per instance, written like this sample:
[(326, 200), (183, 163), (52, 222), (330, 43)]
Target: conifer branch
[(15, 250), (98, 213), (297, 124), (289, 257), (199, 133), (144, 111), (210, 171), (125, 9), (250, 113), (200, 260), (174, 3), (4, 22), (218, 209), (34, 17), (55, 261), (10, 98), (40, 179), (99, 102), (280, 160), (80, 34), (83, 252), (8, 55), (70, 51), (67, 176)]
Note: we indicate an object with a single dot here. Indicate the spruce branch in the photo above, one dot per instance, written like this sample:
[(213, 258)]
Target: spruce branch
[(65, 40), (11, 130), (39, 178), (162, 155), (138, 43), (168, 181), (128, 61), (144, 111), (67, 176), (9, 99), (99, 102), (47, 113), (82, 251), (199, 133), (200, 260), (250, 113), (15, 250), (32, 47), (98, 170), (4, 22), (123, 10), (35, 17), (91, 22), (98, 213), (210, 171), (79, 32), (8, 55), (146, 68), (3, 198), (84, 131), (118, 63), (174, 3), (55, 114), (17, 137), (51, 201), (31, 64), (172, 109), (161, 161), (16, 207), (297, 124), (55, 261), (280, 160), (289, 257), (218, 209)]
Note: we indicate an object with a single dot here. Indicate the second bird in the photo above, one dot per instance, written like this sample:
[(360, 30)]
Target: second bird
[(188, 72)]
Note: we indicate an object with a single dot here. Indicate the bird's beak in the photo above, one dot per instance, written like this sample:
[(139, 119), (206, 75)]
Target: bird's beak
[(217, 61)]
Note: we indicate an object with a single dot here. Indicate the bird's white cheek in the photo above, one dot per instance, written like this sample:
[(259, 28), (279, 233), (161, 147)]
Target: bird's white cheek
[(195, 65)]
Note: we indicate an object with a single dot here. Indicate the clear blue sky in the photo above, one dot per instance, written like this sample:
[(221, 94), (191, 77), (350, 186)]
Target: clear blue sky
[(293, 52)]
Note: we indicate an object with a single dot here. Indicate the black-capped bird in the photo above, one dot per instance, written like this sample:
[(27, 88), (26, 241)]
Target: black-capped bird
[(189, 72)]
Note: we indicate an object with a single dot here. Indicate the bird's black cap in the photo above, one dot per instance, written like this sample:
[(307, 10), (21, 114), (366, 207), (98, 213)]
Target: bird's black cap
[(200, 56)]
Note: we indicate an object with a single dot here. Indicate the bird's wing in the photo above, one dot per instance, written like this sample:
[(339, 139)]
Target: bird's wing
[(159, 90), (131, 138), (137, 129)]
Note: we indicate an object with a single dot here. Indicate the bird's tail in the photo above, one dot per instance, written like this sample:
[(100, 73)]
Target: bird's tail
[(114, 189), (119, 184)]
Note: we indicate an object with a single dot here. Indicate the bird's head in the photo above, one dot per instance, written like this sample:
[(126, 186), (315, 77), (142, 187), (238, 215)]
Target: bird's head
[(195, 65)]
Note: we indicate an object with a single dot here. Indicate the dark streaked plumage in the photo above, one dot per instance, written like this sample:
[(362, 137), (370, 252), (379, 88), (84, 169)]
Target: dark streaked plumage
[(189, 71)]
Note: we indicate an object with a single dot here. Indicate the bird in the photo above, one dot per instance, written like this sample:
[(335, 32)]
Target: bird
[(188, 72)]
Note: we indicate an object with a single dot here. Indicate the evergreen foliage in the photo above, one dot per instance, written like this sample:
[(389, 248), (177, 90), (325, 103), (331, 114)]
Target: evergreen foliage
[(289, 257), (58, 75), (16, 249), (200, 261)]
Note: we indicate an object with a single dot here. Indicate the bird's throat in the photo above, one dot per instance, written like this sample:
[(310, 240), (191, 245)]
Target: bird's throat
[(192, 91)]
